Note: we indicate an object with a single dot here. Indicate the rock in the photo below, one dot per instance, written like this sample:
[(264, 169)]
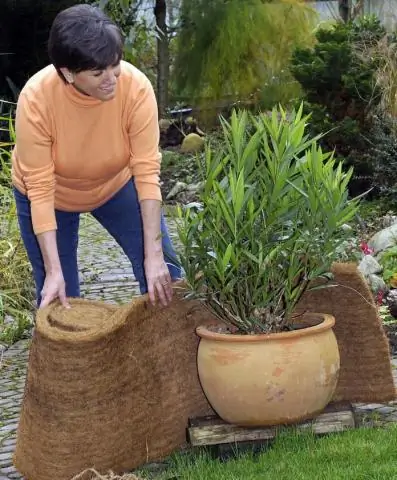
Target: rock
[(388, 220), (176, 189), (187, 197), (346, 228), (377, 284), (369, 266), (164, 124), (195, 187), (192, 143), (384, 239), (392, 296), (391, 301)]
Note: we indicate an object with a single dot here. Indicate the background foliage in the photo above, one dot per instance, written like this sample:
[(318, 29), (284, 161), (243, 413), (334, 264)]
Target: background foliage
[(16, 288), (349, 85), (239, 50), (23, 37)]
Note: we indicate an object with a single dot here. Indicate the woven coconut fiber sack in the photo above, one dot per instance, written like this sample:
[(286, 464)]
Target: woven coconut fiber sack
[(366, 371), (108, 388)]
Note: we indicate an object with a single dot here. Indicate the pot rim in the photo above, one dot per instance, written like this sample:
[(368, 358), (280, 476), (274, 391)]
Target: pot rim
[(327, 323)]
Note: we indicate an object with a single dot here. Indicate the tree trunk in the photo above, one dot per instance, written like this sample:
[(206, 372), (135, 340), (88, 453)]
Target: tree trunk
[(160, 12), (358, 9), (345, 7)]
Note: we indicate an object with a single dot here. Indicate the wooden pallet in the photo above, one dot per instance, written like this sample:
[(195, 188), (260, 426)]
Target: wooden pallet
[(211, 430)]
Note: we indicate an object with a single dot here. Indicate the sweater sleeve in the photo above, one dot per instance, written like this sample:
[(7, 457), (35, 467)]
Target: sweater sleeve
[(144, 136), (33, 147)]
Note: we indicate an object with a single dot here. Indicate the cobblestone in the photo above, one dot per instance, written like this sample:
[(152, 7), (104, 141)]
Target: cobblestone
[(8, 428), (6, 449), (5, 460), (7, 471), (8, 441)]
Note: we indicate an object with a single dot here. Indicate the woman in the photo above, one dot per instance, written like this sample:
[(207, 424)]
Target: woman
[(87, 141)]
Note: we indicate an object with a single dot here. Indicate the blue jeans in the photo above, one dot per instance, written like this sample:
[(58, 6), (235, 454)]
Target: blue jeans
[(120, 216)]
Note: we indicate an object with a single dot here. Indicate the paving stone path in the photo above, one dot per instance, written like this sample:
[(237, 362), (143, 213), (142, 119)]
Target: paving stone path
[(105, 274)]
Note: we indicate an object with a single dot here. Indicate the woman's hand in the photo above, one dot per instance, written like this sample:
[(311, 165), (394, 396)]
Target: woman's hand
[(158, 279), (54, 284), (54, 287)]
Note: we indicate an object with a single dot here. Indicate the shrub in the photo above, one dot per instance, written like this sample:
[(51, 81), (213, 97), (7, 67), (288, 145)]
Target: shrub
[(382, 155), (342, 91), (269, 220), (239, 51)]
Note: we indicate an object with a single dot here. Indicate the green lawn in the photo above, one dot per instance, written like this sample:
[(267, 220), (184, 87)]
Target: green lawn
[(355, 455)]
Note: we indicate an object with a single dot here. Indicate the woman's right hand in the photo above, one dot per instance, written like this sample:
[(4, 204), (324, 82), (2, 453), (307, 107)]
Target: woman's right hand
[(54, 287)]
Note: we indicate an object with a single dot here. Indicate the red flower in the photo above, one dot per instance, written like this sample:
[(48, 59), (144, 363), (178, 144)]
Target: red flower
[(366, 249), (379, 297)]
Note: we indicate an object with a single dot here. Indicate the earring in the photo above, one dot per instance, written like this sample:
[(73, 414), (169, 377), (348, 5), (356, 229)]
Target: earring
[(69, 78)]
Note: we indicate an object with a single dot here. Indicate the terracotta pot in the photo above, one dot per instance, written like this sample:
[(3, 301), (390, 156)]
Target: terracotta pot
[(269, 379)]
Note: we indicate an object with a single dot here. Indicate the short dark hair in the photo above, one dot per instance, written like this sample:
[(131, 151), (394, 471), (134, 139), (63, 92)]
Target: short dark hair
[(84, 38)]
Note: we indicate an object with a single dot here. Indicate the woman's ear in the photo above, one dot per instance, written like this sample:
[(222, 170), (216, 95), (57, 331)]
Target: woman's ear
[(68, 75)]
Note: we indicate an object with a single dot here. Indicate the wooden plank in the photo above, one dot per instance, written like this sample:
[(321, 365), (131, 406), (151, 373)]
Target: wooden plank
[(206, 420), (215, 420), (211, 430), (217, 434), (330, 423)]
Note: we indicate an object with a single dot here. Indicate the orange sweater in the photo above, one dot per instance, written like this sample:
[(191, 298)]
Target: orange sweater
[(74, 152)]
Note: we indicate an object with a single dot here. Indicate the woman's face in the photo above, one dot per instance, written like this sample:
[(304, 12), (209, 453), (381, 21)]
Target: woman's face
[(100, 84)]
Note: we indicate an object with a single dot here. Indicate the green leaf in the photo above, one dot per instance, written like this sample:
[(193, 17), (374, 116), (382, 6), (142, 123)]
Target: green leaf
[(227, 255), (239, 194), (223, 205)]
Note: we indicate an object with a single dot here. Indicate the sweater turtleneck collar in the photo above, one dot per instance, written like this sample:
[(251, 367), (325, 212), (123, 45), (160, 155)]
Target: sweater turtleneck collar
[(80, 98)]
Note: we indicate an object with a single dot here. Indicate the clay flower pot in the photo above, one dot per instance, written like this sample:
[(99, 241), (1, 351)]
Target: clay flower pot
[(270, 379)]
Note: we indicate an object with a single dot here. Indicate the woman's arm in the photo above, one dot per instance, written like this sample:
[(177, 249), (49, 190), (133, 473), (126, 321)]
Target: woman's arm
[(33, 154), (157, 274), (145, 168)]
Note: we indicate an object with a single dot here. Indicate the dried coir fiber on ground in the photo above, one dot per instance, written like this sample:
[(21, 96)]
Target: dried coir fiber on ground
[(94, 475), (108, 388), (366, 371)]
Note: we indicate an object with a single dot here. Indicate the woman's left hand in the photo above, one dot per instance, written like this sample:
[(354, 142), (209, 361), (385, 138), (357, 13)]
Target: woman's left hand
[(158, 279)]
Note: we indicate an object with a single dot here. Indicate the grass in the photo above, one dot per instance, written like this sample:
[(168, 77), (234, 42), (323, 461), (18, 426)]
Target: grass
[(16, 289), (355, 455)]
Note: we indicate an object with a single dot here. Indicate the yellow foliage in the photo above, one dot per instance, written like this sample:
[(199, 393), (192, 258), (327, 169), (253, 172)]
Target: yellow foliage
[(235, 47), (393, 280)]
